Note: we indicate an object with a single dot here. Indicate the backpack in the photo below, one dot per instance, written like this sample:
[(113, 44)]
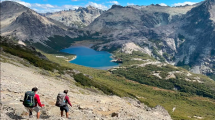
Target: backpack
[(61, 100), (29, 100)]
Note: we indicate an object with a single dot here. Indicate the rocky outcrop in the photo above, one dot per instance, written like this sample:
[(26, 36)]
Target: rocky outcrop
[(78, 18), (198, 30), (130, 47)]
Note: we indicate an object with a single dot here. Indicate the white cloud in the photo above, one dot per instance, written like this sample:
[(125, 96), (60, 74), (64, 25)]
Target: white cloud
[(42, 5), (130, 3), (163, 4), (70, 7), (99, 6), (24, 3), (74, 0), (183, 4), (114, 2), (48, 5), (43, 8)]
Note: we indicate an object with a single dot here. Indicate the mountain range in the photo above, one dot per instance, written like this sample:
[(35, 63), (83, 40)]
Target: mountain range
[(182, 36)]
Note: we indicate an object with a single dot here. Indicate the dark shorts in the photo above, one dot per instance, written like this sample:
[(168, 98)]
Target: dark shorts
[(66, 108)]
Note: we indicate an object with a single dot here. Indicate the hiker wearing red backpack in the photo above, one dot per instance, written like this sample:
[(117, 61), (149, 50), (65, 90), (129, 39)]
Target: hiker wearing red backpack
[(31, 100), (62, 102)]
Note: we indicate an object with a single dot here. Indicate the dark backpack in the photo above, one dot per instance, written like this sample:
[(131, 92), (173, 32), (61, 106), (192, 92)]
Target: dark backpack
[(29, 100), (61, 100)]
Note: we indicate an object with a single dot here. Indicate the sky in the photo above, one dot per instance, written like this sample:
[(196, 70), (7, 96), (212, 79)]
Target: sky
[(43, 6)]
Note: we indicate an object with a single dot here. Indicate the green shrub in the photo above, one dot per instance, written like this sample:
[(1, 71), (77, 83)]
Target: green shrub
[(144, 75), (30, 55), (85, 81)]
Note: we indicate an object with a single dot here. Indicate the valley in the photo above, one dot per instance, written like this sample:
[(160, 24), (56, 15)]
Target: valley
[(92, 83)]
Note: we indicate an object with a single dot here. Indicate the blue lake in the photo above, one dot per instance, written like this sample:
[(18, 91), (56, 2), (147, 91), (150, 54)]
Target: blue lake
[(91, 58)]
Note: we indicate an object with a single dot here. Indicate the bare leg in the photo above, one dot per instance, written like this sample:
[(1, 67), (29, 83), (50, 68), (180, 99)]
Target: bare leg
[(67, 114), (61, 113), (38, 115)]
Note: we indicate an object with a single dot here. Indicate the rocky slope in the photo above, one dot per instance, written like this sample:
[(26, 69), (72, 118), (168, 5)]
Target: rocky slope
[(198, 28), (17, 78), (25, 24), (78, 18), (147, 26)]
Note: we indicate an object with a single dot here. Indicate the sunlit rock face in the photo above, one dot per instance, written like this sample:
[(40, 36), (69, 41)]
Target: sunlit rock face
[(78, 18)]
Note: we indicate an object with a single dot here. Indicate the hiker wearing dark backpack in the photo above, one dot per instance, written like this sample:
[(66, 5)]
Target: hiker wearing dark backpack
[(62, 102), (31, 100)]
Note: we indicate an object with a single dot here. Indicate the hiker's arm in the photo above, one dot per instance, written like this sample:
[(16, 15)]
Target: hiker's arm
[(37, 97), (67, 98)]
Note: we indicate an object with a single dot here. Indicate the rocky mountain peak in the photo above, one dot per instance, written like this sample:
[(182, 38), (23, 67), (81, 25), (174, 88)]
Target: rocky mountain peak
[(88, 8), (116, 6), (78, 18), (25, 24), (11, 4), (11, 9), (210, 1), (91, 7), (208, 4)]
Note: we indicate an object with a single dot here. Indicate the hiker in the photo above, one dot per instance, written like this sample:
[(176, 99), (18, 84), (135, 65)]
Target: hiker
[(62, 102), (31, 100)]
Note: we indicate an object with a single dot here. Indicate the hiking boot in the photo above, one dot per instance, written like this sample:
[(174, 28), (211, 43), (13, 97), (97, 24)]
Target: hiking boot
[(30, 113), (30, 116), (69, 118)]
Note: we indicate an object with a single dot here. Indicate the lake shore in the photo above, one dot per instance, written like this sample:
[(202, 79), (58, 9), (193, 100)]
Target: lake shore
[(72, 58), (85, 43)]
